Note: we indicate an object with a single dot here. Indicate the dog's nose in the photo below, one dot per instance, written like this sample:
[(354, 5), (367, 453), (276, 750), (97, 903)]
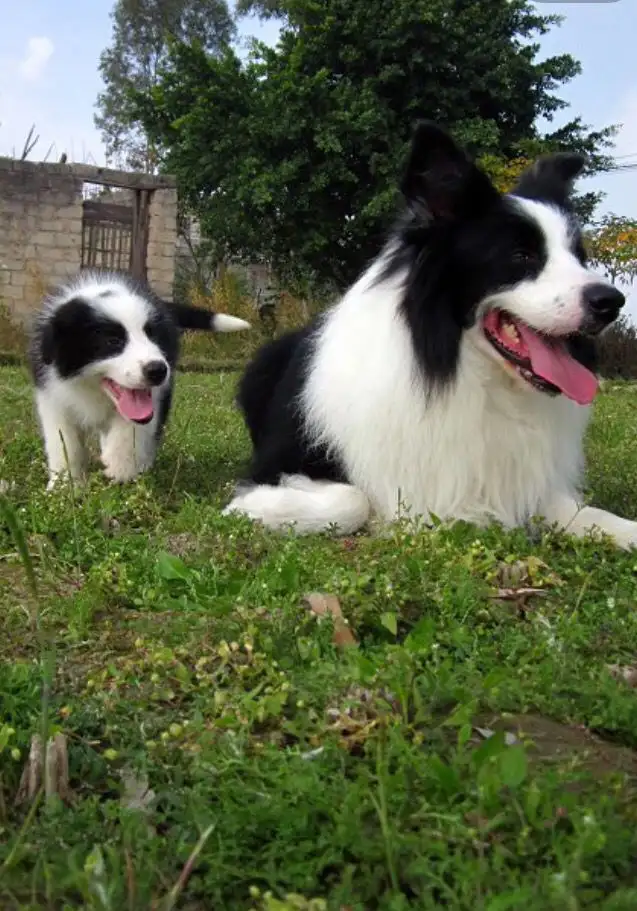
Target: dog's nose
[(155, 372), (602, 304)]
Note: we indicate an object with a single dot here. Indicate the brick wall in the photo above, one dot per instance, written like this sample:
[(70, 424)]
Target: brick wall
[(40, 231)]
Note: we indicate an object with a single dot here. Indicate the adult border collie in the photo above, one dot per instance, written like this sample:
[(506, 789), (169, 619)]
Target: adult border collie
[(453, 378), (103, 352)]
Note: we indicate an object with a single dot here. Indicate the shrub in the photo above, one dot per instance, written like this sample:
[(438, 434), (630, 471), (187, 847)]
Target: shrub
[(618, 351)]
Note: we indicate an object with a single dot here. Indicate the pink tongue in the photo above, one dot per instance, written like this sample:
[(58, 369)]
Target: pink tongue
[(135, 404), (553, 363)]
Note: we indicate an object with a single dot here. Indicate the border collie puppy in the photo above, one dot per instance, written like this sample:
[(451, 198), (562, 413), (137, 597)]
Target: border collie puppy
[(453, 379), (103, 353)]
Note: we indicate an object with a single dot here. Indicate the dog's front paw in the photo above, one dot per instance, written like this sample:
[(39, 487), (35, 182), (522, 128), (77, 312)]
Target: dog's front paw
[(125, 454), (121, 472), (62, 479)]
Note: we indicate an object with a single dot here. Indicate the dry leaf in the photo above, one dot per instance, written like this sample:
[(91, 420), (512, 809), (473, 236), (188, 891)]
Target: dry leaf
[(322, 605), (51, 769), (353, 732), (509, 738), (512, 574), (517, 594), (531, 572), (623, 672), (137, 795)]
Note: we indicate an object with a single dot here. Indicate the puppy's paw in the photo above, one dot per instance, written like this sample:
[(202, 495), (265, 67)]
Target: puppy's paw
[(63, 480), (121, 472), (124, 461)]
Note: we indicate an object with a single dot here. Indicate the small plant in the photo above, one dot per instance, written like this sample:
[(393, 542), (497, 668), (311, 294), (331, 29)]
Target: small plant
[(13, 338)]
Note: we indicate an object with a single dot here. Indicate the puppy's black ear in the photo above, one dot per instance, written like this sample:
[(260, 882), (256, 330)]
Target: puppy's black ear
[(48, 345), (64, 329), (440, 182), (551, 177)]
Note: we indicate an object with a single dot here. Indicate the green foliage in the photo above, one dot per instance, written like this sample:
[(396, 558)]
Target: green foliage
[(265, 9), (141, 32), (294, 156), (472, 752), (612, 247)]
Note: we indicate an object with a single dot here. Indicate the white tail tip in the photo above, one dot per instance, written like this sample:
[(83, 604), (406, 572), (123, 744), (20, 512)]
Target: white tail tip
[(223, 322)]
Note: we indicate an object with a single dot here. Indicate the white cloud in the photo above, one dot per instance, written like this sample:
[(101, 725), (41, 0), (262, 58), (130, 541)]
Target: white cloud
[(38, 54)]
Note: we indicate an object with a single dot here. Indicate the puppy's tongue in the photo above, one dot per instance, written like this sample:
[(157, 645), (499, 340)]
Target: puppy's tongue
[(134, 404), (551, 361)]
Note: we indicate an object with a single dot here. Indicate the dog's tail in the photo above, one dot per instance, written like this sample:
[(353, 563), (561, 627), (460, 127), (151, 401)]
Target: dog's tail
[(306, 505), (197, 318)]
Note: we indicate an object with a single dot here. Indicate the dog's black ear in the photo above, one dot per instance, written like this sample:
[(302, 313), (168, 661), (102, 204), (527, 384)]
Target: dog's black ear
[(440, 181), (59, 329), (67, 333), (551, 177), (48, 345)]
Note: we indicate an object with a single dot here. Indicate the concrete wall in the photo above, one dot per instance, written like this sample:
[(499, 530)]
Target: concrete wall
[(41, 229)]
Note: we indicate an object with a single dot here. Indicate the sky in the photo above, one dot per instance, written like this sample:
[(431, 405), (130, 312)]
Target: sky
[(49, 53)]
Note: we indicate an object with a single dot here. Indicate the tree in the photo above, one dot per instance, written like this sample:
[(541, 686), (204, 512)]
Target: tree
[(294, 156), (503, 172), (142, 30), (612, 247)]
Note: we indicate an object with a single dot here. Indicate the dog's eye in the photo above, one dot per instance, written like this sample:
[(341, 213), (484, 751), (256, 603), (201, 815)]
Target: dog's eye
[(523, 257), (111, 338), (151, 331)]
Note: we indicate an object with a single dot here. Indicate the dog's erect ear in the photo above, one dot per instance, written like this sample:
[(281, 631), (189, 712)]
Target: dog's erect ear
[(440, 182), (551, 177)]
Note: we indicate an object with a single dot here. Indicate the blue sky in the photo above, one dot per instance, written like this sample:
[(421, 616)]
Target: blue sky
[(48, 77)]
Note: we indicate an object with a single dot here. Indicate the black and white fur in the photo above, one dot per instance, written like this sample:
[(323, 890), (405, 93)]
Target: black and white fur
[(99, 330), (396, 401)]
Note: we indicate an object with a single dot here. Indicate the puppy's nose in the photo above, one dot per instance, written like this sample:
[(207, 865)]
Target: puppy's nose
[(602, 304), (155, 372)]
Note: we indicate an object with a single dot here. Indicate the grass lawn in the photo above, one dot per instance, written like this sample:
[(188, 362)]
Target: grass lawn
[(471, 752)]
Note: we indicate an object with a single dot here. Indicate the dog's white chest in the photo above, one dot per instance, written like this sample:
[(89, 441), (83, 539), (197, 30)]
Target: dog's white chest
[(480, 450)]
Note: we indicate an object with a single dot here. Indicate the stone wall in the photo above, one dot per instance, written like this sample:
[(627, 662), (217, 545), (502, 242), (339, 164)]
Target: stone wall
[(40, 231), (41, 228), (162, 242)]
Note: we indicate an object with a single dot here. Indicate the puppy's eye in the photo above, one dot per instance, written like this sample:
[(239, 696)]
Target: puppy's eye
[(151, 331), (111, 338), (523, 257)]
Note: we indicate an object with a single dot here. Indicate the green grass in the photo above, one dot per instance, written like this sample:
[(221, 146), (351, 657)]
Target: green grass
[(179, 655)]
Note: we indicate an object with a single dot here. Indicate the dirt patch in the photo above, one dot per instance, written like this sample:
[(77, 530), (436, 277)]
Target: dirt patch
[(552, 742)]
